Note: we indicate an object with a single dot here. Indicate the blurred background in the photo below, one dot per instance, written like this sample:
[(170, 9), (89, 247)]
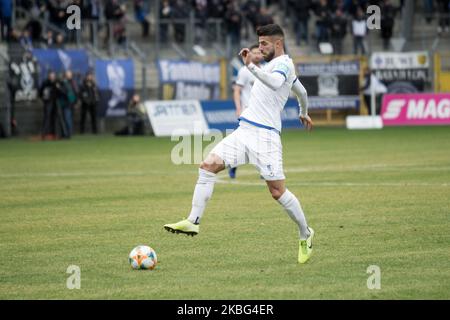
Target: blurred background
[(56, 81)]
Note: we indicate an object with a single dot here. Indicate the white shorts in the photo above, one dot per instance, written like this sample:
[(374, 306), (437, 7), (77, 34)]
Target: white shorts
[(258, 146)]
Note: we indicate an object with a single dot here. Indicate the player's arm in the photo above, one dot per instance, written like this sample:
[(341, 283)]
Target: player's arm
[(302, 98), (237, 98), (273, 80)]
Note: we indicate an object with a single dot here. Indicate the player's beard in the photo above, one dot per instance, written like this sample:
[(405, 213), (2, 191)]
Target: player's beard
[(269, 56)]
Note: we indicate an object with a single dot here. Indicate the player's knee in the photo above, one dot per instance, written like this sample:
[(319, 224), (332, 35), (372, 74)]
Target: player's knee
[(276, 193), (205, 166), (208, 166), (212, 164)]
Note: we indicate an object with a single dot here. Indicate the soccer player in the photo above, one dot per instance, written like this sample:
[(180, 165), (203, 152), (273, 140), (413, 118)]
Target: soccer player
[(257, 139), (242, 88)]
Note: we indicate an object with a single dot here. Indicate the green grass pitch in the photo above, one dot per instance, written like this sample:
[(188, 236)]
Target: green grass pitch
[(373, 197)]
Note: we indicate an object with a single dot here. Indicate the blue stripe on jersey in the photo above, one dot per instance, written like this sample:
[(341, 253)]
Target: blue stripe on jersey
[(284, 74), (294, 80), (259, 125)]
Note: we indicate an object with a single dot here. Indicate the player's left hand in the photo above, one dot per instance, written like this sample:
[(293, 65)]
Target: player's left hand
[(307, 122)]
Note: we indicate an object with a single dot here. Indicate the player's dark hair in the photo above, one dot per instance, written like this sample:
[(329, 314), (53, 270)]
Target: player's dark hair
[(270, 30), (254, 46)]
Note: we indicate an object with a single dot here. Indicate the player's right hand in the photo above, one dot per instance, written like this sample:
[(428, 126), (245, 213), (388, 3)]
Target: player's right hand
[(245, 55), (307, 122)]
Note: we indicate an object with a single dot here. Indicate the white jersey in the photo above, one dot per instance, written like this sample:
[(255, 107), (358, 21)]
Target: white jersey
[(265, 104), (245, 80)]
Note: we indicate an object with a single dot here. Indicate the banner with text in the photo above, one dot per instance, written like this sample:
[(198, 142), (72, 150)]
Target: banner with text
[(176, 117), (185, 80), (416, 109), (331, 85), (401, 72)]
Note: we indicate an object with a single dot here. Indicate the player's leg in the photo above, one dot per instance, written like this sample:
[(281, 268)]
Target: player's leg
[(202, 193), (291, 204), (204, 188), (267, 156), (293, 208), (229, 151), (232, 172)]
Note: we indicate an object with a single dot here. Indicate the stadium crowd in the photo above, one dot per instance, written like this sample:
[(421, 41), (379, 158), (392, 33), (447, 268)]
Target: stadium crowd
[(334, 19)]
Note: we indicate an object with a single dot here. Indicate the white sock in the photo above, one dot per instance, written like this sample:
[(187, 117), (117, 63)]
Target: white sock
[(202, 193), (292, 206)]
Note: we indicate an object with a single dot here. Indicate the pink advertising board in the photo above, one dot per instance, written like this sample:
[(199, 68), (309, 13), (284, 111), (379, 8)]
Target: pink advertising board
[(416, 109)]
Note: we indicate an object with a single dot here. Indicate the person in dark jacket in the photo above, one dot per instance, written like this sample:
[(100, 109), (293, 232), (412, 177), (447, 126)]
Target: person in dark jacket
[(338, 30), (89, 99), (48, 95), (301, 17), (67, 98)]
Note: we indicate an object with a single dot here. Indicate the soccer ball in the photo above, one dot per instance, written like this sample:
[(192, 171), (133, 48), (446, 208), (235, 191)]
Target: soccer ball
[(143, 257)]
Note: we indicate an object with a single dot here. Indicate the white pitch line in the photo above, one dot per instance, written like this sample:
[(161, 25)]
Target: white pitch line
[(340, 184), (73, 174), (242, 171)]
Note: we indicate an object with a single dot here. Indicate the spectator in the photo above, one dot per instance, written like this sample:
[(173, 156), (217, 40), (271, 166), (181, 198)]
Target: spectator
[(322, 22), (251, 13), (34, 26), (67, 98), (165, 13), (301, 18), (216, 8), (444, 19), (25, 41), (359, 30), (141, 11), (114, 13), (263, 18), (352, 7), (48, 94), (387, 22), (48, 41), (14, 42), (428, 7), (89, 99), (57, 11), (338, 31), (5, 17), (233, 23), (91, 10), (135, 118), (201, 14), (59, 42), (180, 11)]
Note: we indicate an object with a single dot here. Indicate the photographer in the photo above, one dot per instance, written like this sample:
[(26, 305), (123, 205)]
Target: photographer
[(48, 95), (89, 99)]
